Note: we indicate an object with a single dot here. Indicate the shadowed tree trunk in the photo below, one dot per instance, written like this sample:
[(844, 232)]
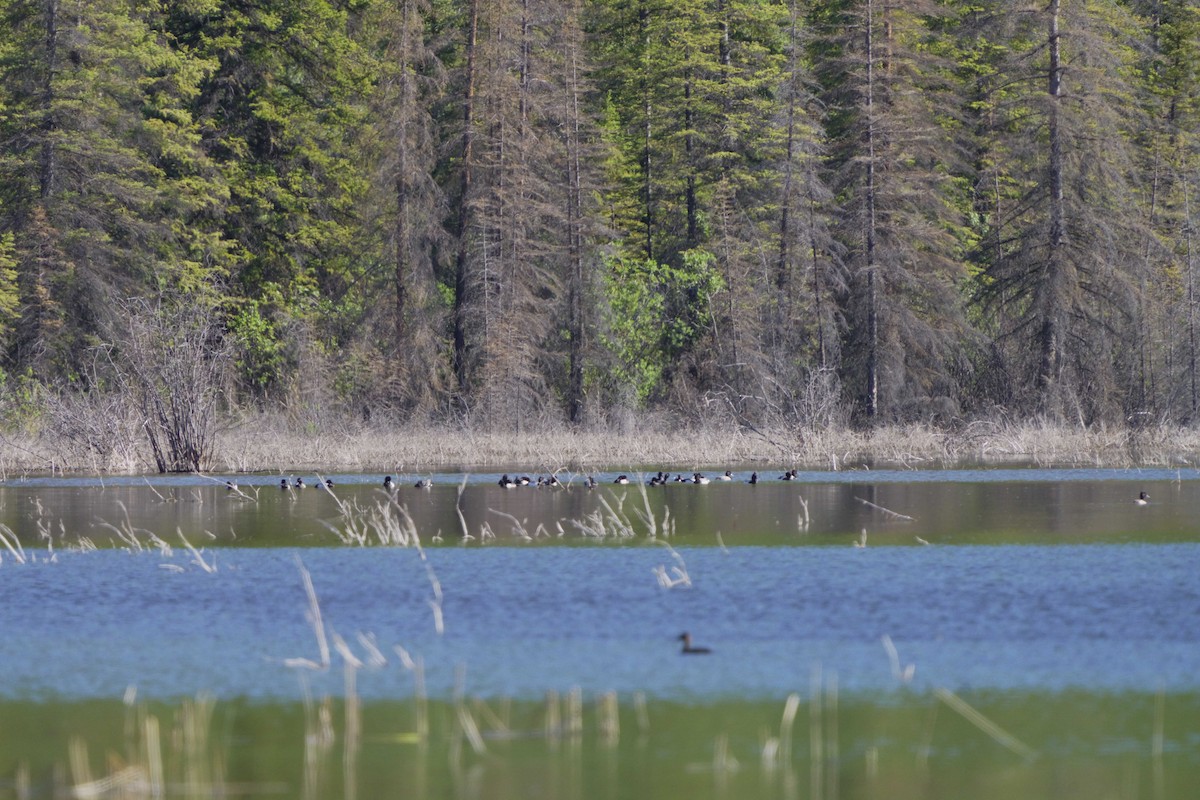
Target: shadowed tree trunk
[(462, 228)]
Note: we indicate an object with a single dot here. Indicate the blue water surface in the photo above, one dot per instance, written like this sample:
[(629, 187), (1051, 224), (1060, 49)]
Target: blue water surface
[(520, 621)]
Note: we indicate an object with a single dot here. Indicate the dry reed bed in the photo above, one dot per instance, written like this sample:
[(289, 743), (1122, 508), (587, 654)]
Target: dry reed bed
[(416, 450), (266, 445)]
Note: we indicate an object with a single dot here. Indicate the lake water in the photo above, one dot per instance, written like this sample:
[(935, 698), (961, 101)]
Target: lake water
[(1018, 589)]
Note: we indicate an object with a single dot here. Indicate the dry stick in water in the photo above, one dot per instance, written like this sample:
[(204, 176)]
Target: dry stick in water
[(887, 511), (466, 723), (803, 521), (314, 617), (13, 544), (648, 515), (518, 525), (680, 571), (436, 602), (197, 556), (984, 724), (129, 534), (625, 530), (786, 724), (904, 675), (375, 657), (462, 521)]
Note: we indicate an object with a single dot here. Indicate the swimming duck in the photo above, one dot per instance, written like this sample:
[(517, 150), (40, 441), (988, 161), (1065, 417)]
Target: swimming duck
[(328, 483), (552, 480), (590, 482), (283, 484), (506, 482), (688, 648), (790, 475), (728, 476), (1143, 499), (698, 478), (753, 478), (424, 483), (622, 480), (388, 483), (299, 483), (230, 486)]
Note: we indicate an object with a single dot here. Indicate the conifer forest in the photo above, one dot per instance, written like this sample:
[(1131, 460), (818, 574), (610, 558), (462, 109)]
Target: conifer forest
[(828, 211)]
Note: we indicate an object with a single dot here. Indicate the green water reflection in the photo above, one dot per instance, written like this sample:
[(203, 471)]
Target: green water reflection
[(1035, 507), (1074, 745)]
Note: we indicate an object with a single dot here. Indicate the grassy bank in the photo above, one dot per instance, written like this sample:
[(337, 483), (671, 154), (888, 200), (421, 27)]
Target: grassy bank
[(265, 444)]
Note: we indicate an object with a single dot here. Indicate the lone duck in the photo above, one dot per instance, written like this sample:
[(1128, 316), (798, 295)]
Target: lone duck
[(1143, 499), (688, 648)]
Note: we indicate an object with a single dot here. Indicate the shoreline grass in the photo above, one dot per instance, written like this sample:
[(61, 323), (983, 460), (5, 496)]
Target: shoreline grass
[(261, 444)]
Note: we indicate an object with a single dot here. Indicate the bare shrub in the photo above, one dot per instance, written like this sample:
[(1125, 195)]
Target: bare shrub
[(171, 361), (94, 428)]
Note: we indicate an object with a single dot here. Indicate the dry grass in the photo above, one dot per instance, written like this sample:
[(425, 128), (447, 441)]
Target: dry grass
[(265, 444), (417, 450)]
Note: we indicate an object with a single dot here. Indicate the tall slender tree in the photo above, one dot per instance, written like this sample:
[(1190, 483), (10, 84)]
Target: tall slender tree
[(408, 206), (892, 147), (1066, 220)]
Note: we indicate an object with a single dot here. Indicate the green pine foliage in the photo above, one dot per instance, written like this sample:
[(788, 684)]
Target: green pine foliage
[(554, 209)]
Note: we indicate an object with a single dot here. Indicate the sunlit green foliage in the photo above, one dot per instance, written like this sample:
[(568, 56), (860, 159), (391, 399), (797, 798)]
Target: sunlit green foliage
[(657, 313)]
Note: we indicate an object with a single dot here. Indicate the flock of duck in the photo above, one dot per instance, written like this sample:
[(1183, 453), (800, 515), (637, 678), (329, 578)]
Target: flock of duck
[(506, 482), (660, 479)]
